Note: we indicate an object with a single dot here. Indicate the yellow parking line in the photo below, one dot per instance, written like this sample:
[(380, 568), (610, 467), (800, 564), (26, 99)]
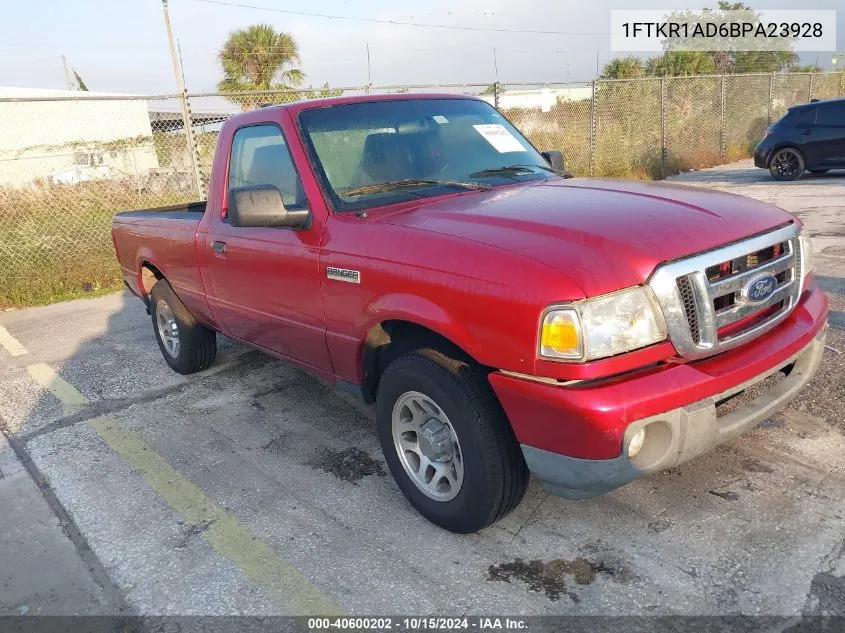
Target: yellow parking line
[(58, 386), (10, 343), (224, 532)]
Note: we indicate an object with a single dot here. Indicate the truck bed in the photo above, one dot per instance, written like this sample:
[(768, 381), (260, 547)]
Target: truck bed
[(191, 210), (165, 235)]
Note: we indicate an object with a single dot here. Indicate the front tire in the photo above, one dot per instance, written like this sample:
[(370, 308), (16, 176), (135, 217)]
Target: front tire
[(186, 345), (787, 164), (447, 441)]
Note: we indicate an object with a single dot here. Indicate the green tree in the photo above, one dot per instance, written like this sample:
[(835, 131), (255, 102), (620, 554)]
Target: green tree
[(323, 92), (723, 60), (79, 83), (764, 61), (259, 58), (629, 67), (681, 63), (732, 6), (765, 58), (758, 61)]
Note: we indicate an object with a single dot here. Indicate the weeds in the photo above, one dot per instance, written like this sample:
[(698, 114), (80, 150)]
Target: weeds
[(55, 242)]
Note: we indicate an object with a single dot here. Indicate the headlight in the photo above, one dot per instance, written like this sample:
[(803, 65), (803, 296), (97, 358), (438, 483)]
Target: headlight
[(806, 256), (602, 326)]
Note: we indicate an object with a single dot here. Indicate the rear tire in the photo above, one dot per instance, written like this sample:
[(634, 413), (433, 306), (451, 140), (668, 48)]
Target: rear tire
[(787, 164), (481, 475), (186, 345)]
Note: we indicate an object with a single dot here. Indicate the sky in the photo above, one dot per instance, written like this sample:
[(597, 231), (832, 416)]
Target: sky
[(121, 45)]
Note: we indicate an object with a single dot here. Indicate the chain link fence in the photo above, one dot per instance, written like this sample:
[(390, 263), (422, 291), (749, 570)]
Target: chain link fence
[(69, 163), (66, 167)]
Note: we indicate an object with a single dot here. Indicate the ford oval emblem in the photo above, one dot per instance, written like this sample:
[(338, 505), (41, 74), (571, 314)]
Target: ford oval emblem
[(760, 288)]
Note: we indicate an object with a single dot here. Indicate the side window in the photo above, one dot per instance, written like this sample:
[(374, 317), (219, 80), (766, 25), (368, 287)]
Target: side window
[(807, 118), (261, 157), (831, 114)]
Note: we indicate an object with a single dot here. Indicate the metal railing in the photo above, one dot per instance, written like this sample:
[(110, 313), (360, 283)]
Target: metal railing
[(68, 163)]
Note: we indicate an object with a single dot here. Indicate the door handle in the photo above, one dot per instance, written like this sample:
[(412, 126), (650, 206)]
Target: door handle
[(806, 132), (218, 247)]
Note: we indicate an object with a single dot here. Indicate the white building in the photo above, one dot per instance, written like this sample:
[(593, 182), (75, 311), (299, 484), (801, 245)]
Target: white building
[(542, 98), (68, 141)]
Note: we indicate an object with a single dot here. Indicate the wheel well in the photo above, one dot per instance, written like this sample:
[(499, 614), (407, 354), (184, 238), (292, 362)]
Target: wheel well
[(149, 276), (785, 146), (389, 340)]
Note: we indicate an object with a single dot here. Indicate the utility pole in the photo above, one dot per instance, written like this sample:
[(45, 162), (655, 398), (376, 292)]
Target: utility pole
[(597, 64), (186, 113), (67, 73), (181, 65), (180, 85), (369, 70), (495, 66)]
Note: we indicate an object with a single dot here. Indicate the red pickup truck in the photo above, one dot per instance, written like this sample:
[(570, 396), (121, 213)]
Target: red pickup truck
[(418, 251)]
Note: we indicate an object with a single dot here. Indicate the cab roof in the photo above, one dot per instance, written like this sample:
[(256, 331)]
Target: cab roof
[(310, 104), (815, 103)]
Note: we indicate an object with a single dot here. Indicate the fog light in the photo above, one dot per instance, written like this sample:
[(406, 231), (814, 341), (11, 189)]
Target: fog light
[(636, 443)]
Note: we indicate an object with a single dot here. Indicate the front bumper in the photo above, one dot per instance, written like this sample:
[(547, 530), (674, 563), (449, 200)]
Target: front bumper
[(573, 436), (680, 434), (761, 155)]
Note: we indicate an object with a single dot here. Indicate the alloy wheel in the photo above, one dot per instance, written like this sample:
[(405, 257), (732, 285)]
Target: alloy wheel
[(787, 163), (427, 446), (168, 329)]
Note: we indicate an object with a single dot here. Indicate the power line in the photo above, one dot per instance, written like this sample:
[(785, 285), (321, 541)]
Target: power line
[(271, 50), (398, 22)]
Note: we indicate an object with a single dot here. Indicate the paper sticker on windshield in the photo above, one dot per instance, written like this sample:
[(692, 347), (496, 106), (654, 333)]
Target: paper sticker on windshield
[(440, 119), (499, 137)]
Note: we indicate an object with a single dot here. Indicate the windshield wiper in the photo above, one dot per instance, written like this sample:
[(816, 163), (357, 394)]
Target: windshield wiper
[(402, 184), (509, 169)]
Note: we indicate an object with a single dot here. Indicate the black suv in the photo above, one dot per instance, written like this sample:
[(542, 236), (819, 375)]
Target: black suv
[(810, 136)]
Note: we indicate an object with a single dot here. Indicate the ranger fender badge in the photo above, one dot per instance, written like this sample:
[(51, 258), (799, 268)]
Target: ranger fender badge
[(343, 274)]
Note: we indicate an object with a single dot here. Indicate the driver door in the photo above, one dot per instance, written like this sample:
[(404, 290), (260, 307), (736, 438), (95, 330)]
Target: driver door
[(264, 283)]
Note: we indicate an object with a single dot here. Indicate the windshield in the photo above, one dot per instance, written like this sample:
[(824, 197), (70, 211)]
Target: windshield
[(381, 152)]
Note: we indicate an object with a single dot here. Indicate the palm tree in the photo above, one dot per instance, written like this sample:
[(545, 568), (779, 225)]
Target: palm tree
[(623, 68), (79, 83), (259, 58), (681, 63)]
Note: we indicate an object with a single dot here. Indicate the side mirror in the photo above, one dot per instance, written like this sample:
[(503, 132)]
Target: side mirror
[(262, 206), (554, 158)]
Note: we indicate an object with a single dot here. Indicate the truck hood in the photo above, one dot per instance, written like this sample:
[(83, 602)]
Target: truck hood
[(603, 235)]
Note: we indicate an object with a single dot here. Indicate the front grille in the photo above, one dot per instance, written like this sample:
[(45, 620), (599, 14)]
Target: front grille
[(799, 262), (716, 300), (748, 261), (688, 299), (729, 303)]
